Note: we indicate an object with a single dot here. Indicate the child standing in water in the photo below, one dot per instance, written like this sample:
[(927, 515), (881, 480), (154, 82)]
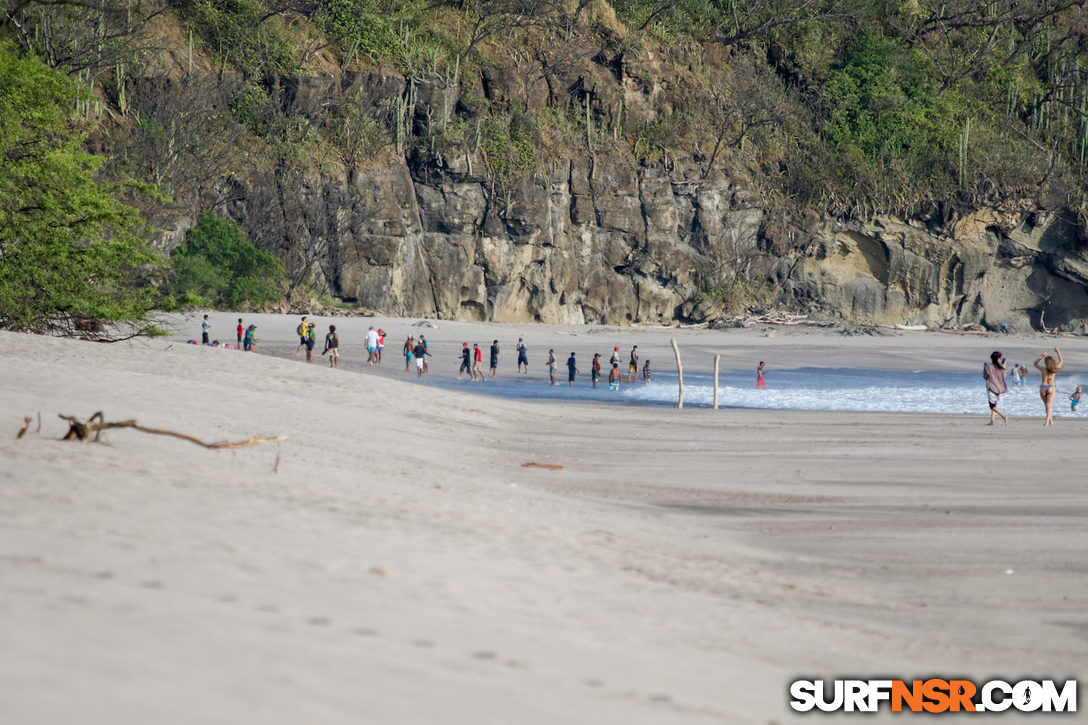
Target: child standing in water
[(646, 372), (1074, 400), (614, 377), (760, 384), (595, 369)]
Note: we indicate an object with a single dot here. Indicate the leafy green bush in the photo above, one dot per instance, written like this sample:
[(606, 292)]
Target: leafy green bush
[(364, 26), (71, 257), (217, 265)]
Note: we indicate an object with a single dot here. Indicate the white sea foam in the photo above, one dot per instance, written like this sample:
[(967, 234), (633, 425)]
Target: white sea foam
[(807, 389), (860, 390)]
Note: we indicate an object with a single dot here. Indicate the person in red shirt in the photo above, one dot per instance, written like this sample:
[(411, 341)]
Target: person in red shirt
[(477, 363), (241, 331)]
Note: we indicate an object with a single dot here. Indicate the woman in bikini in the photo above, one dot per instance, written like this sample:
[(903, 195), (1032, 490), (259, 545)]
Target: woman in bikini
[(1047, 390)]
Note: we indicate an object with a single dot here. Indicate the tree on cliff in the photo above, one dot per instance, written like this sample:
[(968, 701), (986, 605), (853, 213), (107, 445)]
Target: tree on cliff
[(71, 256)]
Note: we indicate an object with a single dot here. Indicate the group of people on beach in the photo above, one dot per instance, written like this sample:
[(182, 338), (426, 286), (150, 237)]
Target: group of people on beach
[(307, 340), (417, 350), (1048, 366), (614, 373)]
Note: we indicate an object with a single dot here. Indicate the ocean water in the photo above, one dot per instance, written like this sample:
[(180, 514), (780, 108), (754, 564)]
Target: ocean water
[(807, 388)]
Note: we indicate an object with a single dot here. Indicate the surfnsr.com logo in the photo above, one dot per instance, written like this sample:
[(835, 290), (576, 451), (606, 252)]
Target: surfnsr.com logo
[(933, 696)]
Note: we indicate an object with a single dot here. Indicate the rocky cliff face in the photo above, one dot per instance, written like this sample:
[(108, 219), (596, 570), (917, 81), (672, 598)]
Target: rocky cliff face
[(1024, 268), (590, 239)]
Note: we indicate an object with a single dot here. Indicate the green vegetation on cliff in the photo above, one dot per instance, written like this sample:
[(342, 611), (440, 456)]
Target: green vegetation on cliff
[(924, 109)]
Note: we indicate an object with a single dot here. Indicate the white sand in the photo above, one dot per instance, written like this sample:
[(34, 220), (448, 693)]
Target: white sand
[(683, 566)]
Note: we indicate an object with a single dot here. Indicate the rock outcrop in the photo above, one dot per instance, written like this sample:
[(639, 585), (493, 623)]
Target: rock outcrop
[(592, 238)]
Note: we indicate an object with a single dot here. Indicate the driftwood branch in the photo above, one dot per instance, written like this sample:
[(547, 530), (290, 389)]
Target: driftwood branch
[(26, 424), (78, 430)]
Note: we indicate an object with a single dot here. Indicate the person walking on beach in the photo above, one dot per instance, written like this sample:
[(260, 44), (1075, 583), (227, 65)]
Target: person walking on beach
[(477, 363), (646, 373), (311, 342), (551, 366), (993, 373), (614, 377), (381, 346), (572, 369), (205, 329), (371, 345), (466, 361), (420, 354), (426, 352), (241, 332), (409, 345), (302, 330), (595, 369), (249, 341), (1074, 400), (760, 383), (632, 365), (523, 356), (1048, 388), (494, 359), (332, 347)]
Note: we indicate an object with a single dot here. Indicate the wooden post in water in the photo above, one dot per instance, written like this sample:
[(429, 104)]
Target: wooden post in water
[(717, 357), (679, 372)]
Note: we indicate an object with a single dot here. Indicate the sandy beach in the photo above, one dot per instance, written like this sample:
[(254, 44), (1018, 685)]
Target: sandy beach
[(402, 565)]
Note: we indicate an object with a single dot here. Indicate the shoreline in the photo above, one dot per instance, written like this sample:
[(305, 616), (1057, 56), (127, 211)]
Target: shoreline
[(789, 349)]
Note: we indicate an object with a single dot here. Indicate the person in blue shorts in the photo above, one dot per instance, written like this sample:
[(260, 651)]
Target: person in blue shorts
[(523, 356), (614, 377), (572, 369)]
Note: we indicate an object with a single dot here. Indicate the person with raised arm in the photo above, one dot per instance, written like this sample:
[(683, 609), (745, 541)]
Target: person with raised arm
[(1048, 387)]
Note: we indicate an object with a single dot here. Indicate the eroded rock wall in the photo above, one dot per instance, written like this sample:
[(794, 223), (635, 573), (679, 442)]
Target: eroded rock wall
[(592, 238)]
